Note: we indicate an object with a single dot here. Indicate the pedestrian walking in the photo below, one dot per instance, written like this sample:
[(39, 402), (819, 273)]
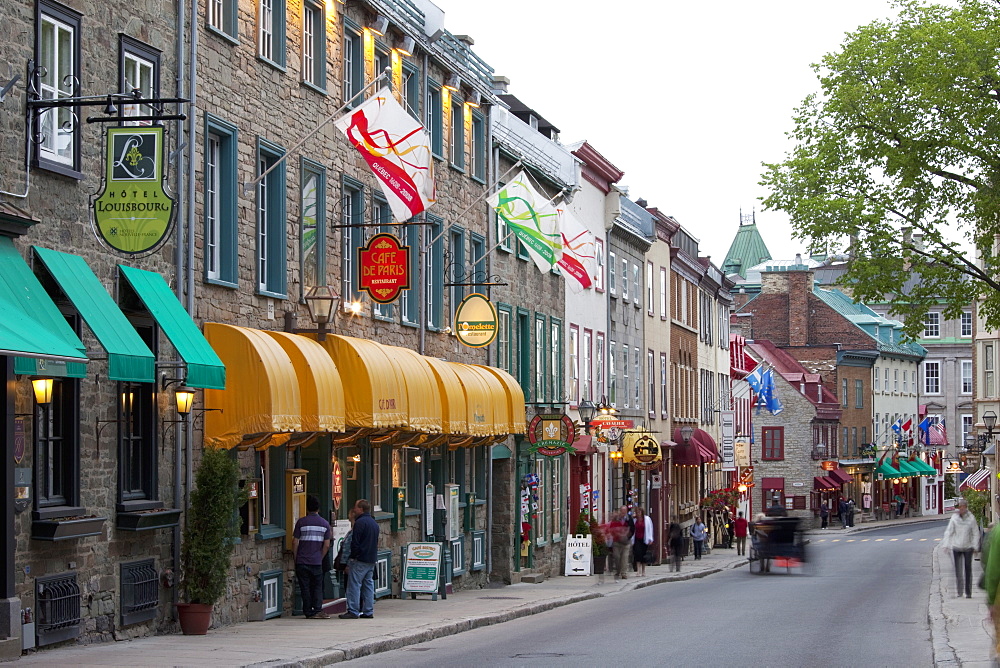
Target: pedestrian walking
[(676, 545), (824, 516), (740, 529), (962, 538), (641, 540), (621, 541), (698, 536), (310, 543), (900, 504), (850, 512), (361, 564), (842, 512)]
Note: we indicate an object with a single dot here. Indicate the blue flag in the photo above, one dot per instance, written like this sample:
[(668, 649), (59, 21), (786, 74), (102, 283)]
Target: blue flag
[(756, 379), (925, 427), (769, 394)]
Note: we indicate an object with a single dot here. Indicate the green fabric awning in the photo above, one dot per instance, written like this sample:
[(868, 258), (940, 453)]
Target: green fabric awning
[(129, 359), (922, 466), (204, 368), (500, 451), (888, 471), (30, 322), (908, 469)]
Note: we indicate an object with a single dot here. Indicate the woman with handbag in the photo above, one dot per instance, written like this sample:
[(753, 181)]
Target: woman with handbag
[(641, 540)]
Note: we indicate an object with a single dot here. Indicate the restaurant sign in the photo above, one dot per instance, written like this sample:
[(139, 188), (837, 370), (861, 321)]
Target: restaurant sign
[(641, 450), (384, 268), (551, 435), (476, 321), (133, 212)]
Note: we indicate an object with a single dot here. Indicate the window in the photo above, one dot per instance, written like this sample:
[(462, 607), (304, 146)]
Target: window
[(966, 429), (458, 264), (313, 44), (222, 17), (556, 390), (651, 381), (843, 393), (965, 324), (586, 369), (663, 385), (457, 135), (409, 300), (624, 278), (636, 295), (906, 388), (503, 340), (966, 376), (599, 265), (376, 479), (271, 31), (383, 61), (626, 387), (140, 70), (574, 364), (599, 366), (612, 283), (637, 360), (649, 288), (773, 442), (932, 325), (435, 272), (877, 426), (382, 216), (895, 380), (854, 442), (478, 148), (846, 439), (435, 120), (913, 380), (541, 472), (556, 503), (220, 209), (270, 220), (612, 375), (885, 376), (56, 446), (411, 90), (539, 358), (859, 394), (354, 64), (136, 441), (271, 463), (663, 293), (313, 225), (878, 384), (932, 377), (352, 238), (723, 326), (57, 52), (989, 384)]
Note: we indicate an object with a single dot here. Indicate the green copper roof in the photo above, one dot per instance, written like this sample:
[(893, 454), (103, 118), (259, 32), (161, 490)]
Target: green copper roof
[(886, 333), (748, 249)]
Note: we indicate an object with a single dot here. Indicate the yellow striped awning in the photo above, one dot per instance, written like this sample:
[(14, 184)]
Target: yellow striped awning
[(454, 406), (423, 397), (479, 399), (263, 392), (515, 399)]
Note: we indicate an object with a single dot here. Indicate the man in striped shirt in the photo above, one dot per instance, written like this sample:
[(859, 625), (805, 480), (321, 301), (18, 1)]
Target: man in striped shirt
[(311, 541)]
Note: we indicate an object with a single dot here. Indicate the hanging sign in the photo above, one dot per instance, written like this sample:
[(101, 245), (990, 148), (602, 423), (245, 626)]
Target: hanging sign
[(641, 450), (133, 212), (420, 570), (741, 446), (337, 483), (829, 465), (384, 268), (608, 423), (476, 321), (550, 435), (728, 420), (952, 466)]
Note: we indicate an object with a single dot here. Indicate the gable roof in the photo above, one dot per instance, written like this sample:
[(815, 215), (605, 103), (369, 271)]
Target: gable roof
[(887, 334), (809, 385)]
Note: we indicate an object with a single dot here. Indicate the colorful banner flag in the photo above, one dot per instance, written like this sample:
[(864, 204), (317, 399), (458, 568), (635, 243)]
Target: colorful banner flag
[(397, 149), (897, 426), (532, 219), (578, 260), (770, 394), (906, 425)]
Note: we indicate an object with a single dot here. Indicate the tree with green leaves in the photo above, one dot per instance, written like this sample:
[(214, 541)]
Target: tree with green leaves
[(897, 160)]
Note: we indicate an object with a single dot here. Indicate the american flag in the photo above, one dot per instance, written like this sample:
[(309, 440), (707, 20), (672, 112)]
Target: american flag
[(938, 434)]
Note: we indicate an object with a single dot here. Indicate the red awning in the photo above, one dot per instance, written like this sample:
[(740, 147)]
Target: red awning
[(584, 445), (705, 443), (980, 480), (839, 476), (772, 483), (700, 449), (824, 484), (687, 455)]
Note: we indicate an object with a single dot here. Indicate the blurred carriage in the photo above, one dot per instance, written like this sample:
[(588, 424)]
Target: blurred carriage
[(778, 542)]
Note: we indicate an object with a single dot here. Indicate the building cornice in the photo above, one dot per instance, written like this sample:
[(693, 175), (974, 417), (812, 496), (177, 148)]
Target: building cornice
[(597, 169)]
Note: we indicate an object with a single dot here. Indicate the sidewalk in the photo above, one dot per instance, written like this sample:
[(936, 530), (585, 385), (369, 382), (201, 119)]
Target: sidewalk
[(960, 633)]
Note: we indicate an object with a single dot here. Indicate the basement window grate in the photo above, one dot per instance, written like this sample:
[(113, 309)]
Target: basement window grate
[(57, 602), (140, 593)]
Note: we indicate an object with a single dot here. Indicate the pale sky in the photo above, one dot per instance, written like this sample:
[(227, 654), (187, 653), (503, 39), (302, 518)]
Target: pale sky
[(687, 98)]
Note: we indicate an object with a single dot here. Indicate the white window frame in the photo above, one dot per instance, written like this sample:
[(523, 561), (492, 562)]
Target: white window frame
[(574, 364), (599, 365), (599, 265), (649, 288), (932, 377), (213, 205), (58, 84), (966, 369), (586, 367), (663, 293), (612, 275), (965, 325), (932, 325)]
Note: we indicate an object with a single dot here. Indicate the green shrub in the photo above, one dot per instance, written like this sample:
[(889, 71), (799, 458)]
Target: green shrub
[(210, 531), (978, 501)]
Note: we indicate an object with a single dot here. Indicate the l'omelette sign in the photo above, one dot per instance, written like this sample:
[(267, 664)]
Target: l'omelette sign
[(476, 321)]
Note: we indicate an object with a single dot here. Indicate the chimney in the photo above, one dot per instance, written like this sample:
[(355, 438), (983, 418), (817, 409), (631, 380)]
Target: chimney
[(641, 202), (500, 84), (800, 285)]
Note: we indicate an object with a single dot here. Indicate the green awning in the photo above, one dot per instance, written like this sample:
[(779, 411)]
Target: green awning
[(500, 451), (30, 323), (908, 469), (204, 368), (922, 466), (129, 359), (888, 471)]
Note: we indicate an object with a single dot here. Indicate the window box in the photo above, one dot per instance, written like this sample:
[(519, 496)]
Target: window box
[(145, 520), (65, 528)]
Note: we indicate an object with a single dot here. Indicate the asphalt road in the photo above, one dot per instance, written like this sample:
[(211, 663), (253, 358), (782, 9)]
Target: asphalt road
[(865, 604)]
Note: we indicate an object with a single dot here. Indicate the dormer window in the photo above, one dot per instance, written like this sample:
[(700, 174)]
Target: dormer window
[(533, 122)]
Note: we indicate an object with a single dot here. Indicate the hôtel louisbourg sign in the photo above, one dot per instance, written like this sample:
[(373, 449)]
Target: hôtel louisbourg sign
[(133, 212), (384, 268)]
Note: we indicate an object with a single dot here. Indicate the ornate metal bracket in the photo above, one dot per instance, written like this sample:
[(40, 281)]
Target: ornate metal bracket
[(468, 277)]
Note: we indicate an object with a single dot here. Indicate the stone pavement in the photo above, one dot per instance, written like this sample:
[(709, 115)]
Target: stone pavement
[(958, 630)]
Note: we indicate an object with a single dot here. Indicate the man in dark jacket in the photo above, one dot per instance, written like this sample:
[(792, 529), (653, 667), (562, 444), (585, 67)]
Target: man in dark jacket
[(361, 564)]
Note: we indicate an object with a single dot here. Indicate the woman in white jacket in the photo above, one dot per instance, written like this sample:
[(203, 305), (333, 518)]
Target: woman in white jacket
[(962, 536), (641, 540)]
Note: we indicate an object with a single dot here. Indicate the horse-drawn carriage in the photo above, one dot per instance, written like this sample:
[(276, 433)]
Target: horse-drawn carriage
[(777, 542)]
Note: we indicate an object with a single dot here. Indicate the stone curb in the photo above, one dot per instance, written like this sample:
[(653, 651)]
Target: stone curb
[(873, 526), (942, 651)]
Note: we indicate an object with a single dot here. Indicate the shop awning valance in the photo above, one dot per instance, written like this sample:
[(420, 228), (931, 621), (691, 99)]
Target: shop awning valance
[(923, 466), (30, 322), (515, 399), (204, 368), (839, 476), (264, 393), (375, 395), (129, 359), (423, 397), (908, 469), (824, 484), (700, 448), (479, 402), (321, 389), (888, 471)]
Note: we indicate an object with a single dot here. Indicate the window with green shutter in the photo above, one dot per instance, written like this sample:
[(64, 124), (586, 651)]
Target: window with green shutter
[(271, 223)]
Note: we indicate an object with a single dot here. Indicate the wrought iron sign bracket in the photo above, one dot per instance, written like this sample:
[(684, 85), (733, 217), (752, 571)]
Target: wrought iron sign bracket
[(469, 278)]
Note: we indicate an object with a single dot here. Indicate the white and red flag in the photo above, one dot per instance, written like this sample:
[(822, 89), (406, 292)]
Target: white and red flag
[(579, 247), (396, 148)]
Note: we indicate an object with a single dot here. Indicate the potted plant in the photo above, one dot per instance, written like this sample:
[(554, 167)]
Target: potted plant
[(210, 533), (599, 546)]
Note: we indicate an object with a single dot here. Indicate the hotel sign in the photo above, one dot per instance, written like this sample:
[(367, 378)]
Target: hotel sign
[(476, 321), (384, 268), (133, 212)]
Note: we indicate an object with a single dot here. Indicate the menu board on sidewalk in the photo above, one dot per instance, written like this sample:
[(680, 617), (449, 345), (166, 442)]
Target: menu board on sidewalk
[(421, 567)]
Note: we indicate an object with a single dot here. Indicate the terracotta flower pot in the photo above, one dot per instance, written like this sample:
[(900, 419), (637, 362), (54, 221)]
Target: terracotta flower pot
[(195, 618)]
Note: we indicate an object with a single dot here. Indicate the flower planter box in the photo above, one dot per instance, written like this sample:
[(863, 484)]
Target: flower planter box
[(64, 528), (145, 520)]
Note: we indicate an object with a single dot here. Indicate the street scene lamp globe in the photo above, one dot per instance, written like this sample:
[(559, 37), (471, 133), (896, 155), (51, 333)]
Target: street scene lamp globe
[(586, 410)]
